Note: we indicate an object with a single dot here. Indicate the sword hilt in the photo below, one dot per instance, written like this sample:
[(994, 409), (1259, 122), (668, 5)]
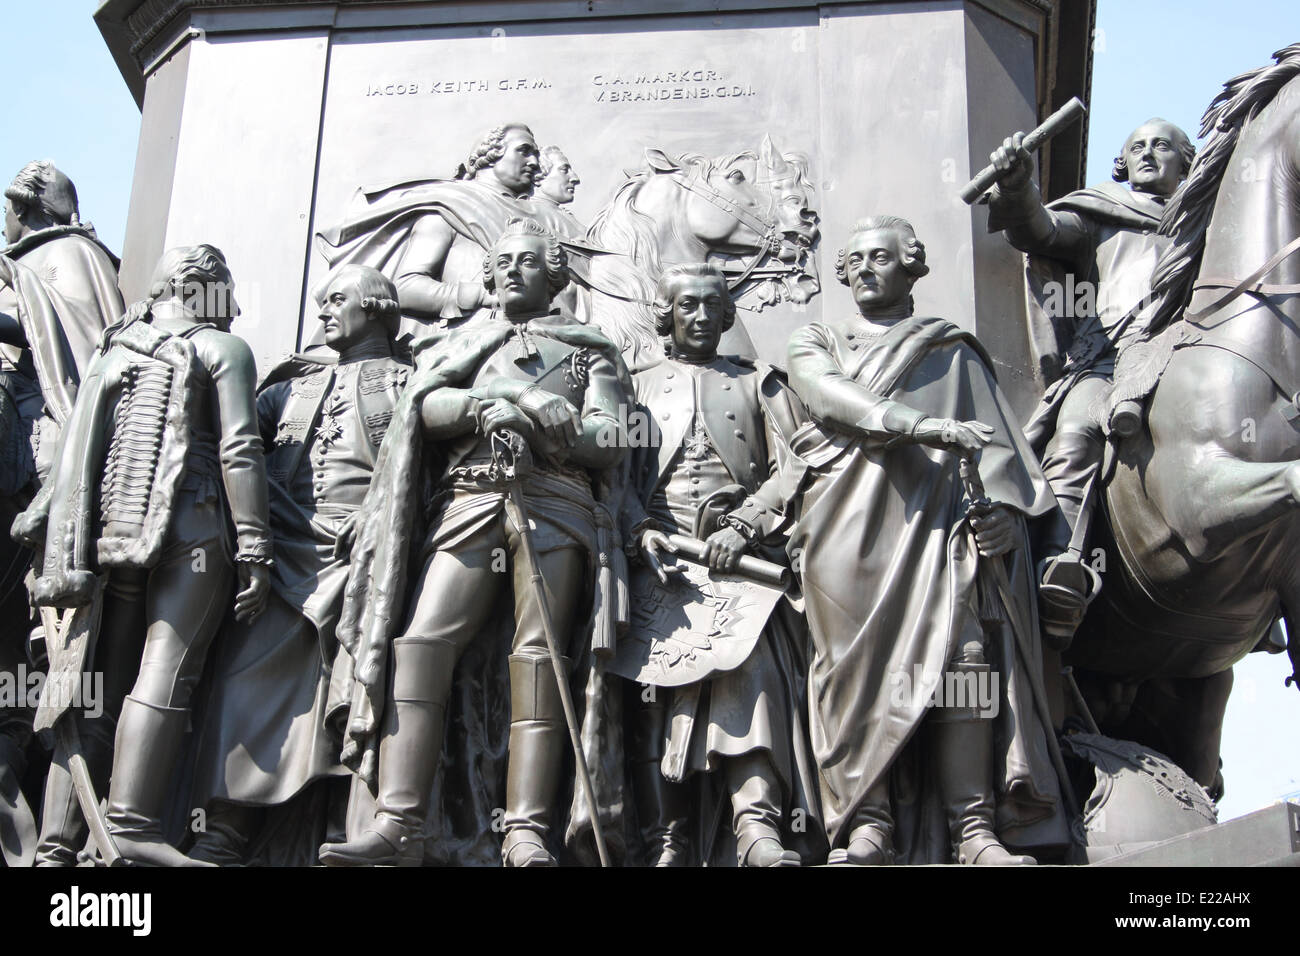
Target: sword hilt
[(512, 459)]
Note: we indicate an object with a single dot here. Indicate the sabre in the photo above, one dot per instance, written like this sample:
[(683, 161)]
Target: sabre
[(506, 460), (1058, 122), (82, 785), (994, 567)]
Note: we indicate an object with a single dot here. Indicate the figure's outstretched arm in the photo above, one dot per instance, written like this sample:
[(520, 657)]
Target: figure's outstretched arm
[(1016, 209), (835, 399)]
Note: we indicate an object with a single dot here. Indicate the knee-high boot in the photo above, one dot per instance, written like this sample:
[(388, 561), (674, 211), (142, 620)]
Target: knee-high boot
[(661, 810), (538, 737), (963, 749), (408, 757), (147, 747), (756, 808), (871, 831)]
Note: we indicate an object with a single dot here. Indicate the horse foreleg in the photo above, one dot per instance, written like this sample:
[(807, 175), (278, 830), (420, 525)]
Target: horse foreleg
[(1183, 719)]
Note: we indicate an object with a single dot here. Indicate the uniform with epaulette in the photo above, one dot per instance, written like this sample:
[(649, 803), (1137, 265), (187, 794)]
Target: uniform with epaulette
[(470, 555), (721, 430), (265, 739)]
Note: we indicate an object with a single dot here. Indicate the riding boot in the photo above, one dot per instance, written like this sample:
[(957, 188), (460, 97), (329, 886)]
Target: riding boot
[(963, 746), (871, 833), (409, 751), (661, 810), (538, 738), (1067, 585), (756, 811), (64, 830), (147, 747), (661, 815), (17, 825), (227, 829)]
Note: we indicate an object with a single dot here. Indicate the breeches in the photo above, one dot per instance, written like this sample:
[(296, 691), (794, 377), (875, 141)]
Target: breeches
[(1075, 451), (462, 586), (158, 624)]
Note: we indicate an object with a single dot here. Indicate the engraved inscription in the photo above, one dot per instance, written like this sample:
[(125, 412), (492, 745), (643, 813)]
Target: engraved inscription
[(667, 85)]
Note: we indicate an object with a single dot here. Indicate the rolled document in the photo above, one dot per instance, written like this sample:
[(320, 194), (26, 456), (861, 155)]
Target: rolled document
[(1056, 123), (756, 569)]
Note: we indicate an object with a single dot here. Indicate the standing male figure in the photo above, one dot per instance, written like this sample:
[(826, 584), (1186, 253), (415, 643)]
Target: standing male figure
[(58, 290), (713, 475), (558, 385), (1101, 240), (161, 453), (889, 576), (265, 739), (430, 237)]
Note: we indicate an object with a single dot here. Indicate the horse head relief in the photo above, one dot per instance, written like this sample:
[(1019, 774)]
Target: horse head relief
[(751, 212)]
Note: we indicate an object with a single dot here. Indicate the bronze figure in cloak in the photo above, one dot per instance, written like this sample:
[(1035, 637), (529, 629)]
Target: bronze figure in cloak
[(927, 744), (559, 386), (1091, 258)]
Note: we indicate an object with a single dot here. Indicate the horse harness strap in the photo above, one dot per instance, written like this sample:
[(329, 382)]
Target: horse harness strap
[(763, 226), (1281, 381), (1251, 283)]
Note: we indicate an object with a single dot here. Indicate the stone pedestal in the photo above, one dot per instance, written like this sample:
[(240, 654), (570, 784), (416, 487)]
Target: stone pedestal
[(1268, 837), (260, 123)]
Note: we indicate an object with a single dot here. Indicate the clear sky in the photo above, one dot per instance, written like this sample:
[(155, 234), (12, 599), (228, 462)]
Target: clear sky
[(67, 102)]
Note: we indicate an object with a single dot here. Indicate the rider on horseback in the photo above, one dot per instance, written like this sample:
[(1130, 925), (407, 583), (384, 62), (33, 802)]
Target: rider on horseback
[(1090, 301)]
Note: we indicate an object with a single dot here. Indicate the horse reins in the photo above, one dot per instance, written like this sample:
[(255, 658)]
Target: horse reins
[(1251, 283), (765, 227)]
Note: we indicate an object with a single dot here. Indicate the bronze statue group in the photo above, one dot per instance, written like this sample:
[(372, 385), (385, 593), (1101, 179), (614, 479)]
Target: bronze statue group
[(458, 587)]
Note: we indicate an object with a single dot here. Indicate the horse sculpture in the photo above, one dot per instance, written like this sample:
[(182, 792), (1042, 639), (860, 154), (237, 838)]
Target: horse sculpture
[(749, 209), (1202, 503)]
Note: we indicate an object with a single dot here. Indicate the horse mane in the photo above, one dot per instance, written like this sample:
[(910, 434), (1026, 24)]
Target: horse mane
[(621, 227), (1187, 217)]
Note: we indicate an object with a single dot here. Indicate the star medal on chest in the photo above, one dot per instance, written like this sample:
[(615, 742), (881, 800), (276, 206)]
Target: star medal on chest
[(697, 443), (330, 429)]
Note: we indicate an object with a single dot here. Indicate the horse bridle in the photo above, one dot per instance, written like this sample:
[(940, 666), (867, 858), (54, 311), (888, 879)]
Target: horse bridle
[(765, 227)]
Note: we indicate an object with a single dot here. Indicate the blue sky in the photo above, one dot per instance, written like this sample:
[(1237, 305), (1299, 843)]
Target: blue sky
[(66, 102)]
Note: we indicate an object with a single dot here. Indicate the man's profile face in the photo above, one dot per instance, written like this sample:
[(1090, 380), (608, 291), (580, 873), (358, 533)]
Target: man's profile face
[(1151, 155), (517, 168), (699, 311), (13, 226), (873, 263), (560, 184), (344, 321), (519, 272)]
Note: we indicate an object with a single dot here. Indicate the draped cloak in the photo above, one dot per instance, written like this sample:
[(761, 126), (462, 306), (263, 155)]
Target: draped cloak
[(265, 737), (888, 568), (385, 558)]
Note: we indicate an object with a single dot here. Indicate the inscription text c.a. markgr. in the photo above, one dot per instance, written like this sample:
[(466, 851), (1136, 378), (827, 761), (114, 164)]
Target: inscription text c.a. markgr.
[(667, 85)]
